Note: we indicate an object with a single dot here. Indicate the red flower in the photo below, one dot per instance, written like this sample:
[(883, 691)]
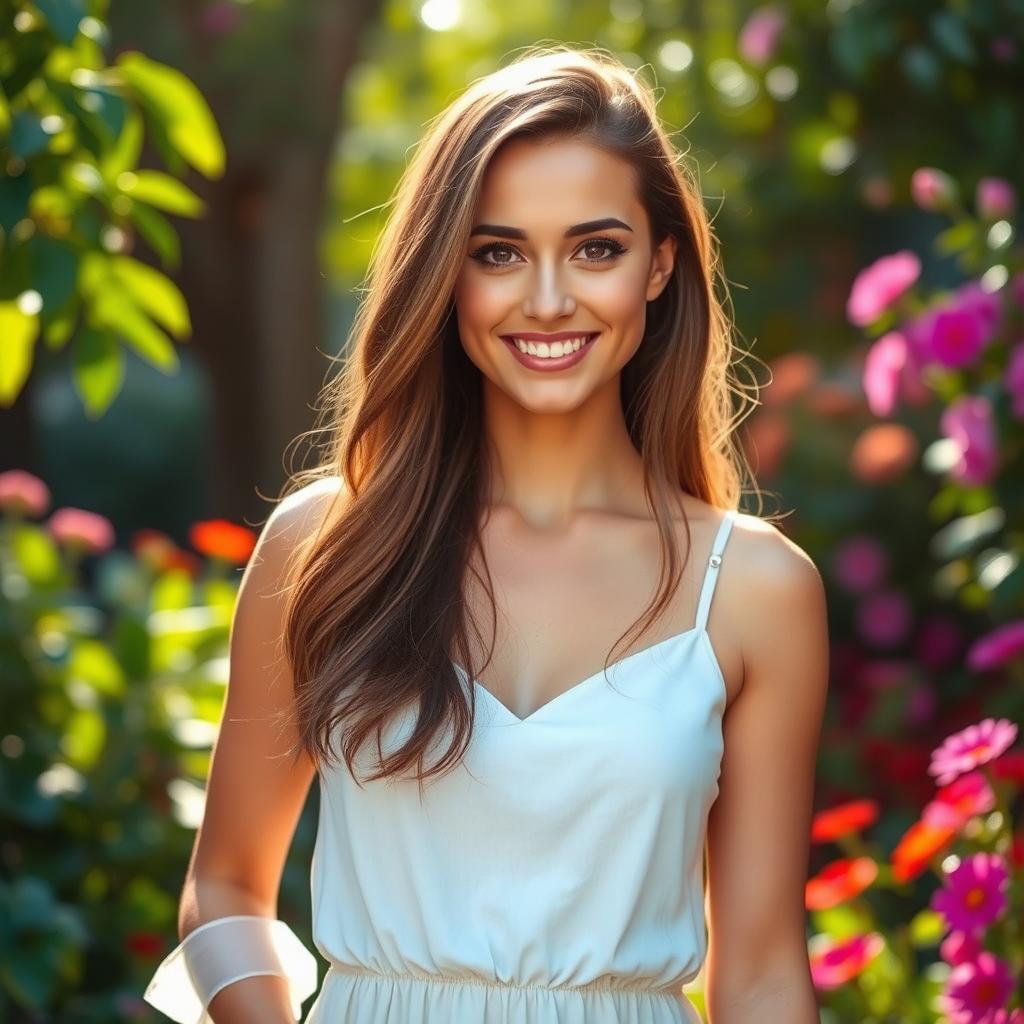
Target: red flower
[(839, 881), (922, 841), (839, 821), (144, 944), (227, 541), (834, 963)]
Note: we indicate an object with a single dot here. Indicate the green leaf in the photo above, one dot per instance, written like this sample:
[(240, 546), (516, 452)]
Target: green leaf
[(63, 17), (84, 737), (157, 294), (93, 662), (118, 314), (36, 554), (97, 370), (124, 154), (956, 238), (926, 928), (172, 98), (162, 191), (19, 331), (156, 229)]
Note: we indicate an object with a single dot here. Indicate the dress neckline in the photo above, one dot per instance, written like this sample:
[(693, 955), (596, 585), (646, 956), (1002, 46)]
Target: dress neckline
[(693, 631)]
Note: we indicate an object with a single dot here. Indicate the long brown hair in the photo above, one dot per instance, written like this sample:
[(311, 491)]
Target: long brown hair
[(375, 609)]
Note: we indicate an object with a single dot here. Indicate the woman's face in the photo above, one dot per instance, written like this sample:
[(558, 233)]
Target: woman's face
[(560, 260)]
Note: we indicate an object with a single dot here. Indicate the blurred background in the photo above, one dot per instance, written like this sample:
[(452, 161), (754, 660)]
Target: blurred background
[(189, 197)]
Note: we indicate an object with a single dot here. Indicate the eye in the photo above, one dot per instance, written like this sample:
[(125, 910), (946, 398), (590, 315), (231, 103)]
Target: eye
[(503, 248)]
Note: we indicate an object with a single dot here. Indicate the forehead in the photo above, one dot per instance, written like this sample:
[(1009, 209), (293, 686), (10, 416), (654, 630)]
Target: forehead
[(552, 183)]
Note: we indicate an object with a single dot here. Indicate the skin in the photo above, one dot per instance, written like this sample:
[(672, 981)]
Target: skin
[(567, 509)]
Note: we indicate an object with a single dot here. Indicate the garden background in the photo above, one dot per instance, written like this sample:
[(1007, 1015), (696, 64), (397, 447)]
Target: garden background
[(189, 196)]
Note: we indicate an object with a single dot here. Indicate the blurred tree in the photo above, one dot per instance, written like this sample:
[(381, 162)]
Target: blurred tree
[(274, 73)]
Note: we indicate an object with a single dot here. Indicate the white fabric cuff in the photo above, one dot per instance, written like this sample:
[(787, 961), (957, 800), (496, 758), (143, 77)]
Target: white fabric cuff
[(223, 951)]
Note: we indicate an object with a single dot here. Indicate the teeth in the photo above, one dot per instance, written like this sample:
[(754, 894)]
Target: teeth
[(553, 350)]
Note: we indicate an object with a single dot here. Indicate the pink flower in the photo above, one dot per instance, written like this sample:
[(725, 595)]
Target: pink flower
[(879, 285), (85, 531), (759, 37), (995, 199), (970, 748), (932, 189), (834, 963), (968, 422), (973, 894), (884, 618), (886, 364), (959, 947), (963, 799), (996, 647), (958, 336), (860, 563), (23, 494), (1014, 380), (976, 988)]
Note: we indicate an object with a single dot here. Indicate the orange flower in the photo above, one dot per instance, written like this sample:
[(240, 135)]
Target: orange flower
[(854, 816), (839, 881), (922, 841), (219, 538)]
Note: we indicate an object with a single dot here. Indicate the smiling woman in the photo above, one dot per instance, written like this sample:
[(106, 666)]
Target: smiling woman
[(533, 433)]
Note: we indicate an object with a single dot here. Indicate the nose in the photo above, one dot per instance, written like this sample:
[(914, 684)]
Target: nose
[(548, 299)]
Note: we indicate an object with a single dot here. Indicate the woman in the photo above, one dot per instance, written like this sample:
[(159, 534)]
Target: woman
[(534, 422)]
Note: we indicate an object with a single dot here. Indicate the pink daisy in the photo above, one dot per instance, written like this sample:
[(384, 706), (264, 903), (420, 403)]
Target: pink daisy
[(977, 989), (835, 962), (971, 747), (959, 947), (964, 798), (973, 894)]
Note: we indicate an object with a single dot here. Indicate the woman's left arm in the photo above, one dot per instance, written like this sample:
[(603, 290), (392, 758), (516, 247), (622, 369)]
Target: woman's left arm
[(758, 835)]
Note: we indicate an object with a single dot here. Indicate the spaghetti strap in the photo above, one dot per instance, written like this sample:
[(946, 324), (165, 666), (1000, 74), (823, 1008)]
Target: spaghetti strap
[(711, 575)]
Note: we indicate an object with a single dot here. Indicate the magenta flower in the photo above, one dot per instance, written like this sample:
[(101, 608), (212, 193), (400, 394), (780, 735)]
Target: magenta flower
[(1014, 380), (932, 189), (23, 494), (996, 647), (835, 962), (968, 422), (995, 199), (759, 37), (959, 947), (970, 748), (81, 530), (958, 336), (973, 894), (879, 285), (884, 618), (964, 798), (977, 988), (860, 563)]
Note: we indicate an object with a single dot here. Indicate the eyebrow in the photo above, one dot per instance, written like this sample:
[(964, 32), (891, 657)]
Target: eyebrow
[(577, 229)]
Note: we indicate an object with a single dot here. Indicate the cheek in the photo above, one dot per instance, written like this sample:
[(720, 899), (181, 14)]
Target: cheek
[(480, 303)]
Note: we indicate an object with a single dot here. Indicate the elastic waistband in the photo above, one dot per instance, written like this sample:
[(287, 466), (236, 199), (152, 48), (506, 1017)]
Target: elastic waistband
[(598, 985)]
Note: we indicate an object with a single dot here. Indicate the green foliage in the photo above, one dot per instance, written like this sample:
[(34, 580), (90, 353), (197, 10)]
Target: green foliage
[(73, 200)]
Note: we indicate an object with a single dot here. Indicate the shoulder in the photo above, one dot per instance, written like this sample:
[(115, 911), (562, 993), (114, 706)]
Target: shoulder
[(772, 565), (295, 520), (305, 509), (777, 591)]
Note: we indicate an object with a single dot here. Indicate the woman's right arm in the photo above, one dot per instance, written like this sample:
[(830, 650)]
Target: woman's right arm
[(254, 797)]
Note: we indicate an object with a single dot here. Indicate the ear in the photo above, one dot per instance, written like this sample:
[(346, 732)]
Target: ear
[(662, 262)]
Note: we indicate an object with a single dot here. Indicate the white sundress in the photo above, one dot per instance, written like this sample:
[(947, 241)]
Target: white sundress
[(554, 877)]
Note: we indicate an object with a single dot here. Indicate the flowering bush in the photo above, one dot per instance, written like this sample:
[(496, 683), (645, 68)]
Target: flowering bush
[(114, 665), (867, 967)]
